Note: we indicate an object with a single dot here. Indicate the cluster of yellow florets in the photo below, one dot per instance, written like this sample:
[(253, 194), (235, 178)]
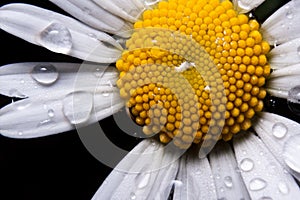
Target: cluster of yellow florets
[(232, 63)]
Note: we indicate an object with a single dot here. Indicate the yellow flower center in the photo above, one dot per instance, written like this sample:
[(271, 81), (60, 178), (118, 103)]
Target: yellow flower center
[(194, 67)]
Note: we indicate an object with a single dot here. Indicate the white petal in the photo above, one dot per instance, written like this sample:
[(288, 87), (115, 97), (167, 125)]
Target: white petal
[(73, 99), (276, 132), (129, 10), (262, 173), (195, 179), (283, 25), (45, 79), (285, 54), (97, 17), (282, 80), (140, 173), (228, 180), (244, 6), (58, 33)]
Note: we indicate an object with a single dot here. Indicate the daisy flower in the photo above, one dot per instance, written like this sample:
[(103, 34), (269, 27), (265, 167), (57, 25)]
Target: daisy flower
[(191, 74)]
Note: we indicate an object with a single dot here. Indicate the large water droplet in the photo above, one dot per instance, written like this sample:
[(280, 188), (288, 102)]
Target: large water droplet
[(143, 180), (228, 181), (77, 107), (246, 164), (257, 184), (293, 100), (56, 37), (45, 74), (283, 187), (279, 130), (244, 5), (291, 151)]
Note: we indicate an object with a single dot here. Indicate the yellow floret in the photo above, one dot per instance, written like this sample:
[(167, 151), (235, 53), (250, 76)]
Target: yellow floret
[(232, 49)]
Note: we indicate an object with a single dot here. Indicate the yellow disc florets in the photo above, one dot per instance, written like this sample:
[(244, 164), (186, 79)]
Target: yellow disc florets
[(183, 91)]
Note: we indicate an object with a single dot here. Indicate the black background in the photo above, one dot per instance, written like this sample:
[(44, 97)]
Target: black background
[(59, 166)]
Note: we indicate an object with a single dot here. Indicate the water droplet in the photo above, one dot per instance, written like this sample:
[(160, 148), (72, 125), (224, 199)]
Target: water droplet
[(246, 164), (283, 187), (77, 107), (198, 172), (51, 113), (22, 81), (257, 184), (22, 105), (293, 100), (244, 5), (289, 14), (56, 37), (45, 74), (86, 10), (228, 181), (177, 183), (150, 2), (244, 152), (298, 51), (20, 133), (143, 180), (16, 93), (265, 198), (222, 189), (132, 196), (279, 130), (93, 36), (217, 176), (291, 151)]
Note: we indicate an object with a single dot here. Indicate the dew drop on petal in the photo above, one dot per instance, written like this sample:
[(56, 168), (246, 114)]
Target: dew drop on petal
[(289, 14), (244, 4), (291, 151), (246, 164), (142, 180), (20, 133), (265, 198), (279, 130), (293, 100), (132, 196), (228, 181), (298, 51), (77, 107), (51, 113), (16, 93), (257, 184), (56, 37), (283, 187), (150, 2), (177, 183), (45, 74)]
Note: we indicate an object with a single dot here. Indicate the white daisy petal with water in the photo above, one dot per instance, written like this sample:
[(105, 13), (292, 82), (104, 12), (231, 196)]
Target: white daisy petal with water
[(58, 33), (285, 54), (283, 26), (97, 17), (129, 10), (281, 136), (146, 172), (228, 180), (245, 6), (263, 175), (283, 81), (53, 102), (195, 179)]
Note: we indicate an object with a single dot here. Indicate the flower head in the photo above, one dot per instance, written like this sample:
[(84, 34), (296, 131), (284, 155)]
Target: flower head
[(188, 72)]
